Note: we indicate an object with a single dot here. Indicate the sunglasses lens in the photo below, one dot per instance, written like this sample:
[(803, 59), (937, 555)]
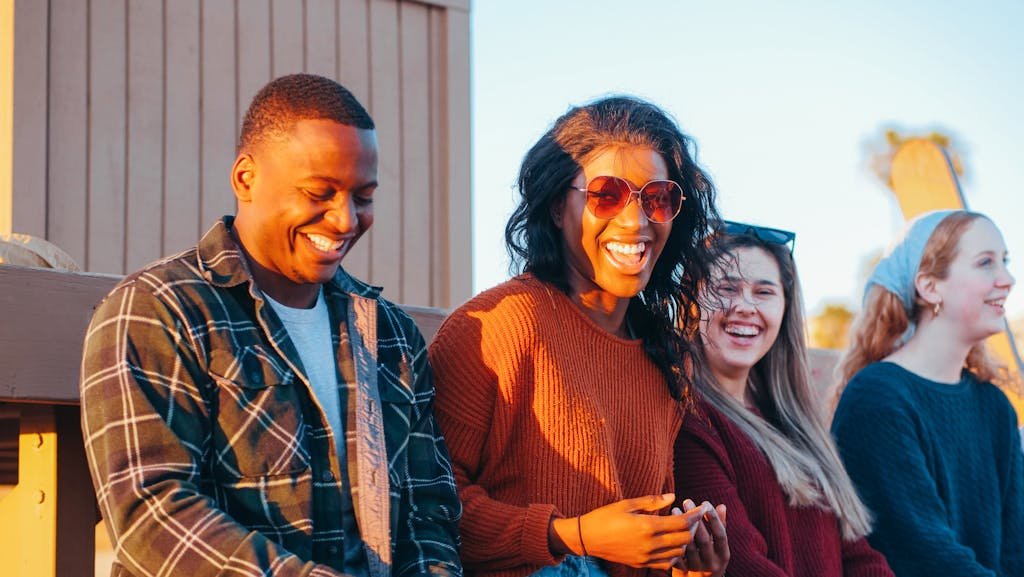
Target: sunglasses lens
[(771, 235), (775, 236), (662, 200), (606, 196), (736, 228)]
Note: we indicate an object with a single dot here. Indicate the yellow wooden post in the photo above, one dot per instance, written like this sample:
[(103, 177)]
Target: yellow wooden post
[(28, 532), (923, 180), (47, 522)]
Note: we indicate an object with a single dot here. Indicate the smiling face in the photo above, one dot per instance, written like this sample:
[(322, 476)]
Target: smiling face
[(303, 201), (611, 260), (745, 313), (976, 285)]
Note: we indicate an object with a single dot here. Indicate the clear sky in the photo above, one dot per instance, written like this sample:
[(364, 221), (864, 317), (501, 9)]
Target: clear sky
[(781, 99)]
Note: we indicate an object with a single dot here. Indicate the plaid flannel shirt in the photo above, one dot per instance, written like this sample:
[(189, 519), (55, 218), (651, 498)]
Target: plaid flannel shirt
[(209, 453)]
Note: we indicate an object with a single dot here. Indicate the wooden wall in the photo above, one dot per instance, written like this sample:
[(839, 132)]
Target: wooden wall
[(126, 114)]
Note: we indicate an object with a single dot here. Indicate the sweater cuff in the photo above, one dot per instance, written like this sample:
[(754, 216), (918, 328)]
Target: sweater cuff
[(535, 547)]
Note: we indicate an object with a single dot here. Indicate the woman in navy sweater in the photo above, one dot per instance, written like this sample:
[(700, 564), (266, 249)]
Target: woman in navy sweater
[(930, 443), (757, 441)]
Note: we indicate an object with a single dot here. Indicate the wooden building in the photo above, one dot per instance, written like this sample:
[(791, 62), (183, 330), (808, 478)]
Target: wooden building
[(118, 124), (119, 118)]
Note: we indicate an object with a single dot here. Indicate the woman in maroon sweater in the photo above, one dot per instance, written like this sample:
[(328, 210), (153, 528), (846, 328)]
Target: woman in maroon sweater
[(757, 441)]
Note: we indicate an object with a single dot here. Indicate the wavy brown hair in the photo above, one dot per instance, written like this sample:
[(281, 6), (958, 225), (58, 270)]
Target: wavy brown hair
[(876, 332)]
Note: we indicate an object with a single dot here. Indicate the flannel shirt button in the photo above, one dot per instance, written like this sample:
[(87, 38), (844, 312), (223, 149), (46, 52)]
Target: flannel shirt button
[(327, 476), (256, 377), (333, 549)]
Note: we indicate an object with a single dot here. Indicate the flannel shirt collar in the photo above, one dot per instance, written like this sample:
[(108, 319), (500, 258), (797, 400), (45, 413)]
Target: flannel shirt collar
[(223, 264)]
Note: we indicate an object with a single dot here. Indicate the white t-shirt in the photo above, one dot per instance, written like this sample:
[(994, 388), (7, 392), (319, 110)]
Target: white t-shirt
[(310, 331)]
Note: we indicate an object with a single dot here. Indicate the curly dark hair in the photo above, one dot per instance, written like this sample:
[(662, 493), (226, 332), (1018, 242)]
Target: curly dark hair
[(285, 100), (659, 313)]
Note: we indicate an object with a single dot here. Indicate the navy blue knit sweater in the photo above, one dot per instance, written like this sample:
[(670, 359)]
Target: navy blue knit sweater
[(940, 466)]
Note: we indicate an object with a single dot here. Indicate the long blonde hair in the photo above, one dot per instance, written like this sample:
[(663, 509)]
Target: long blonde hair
[(792, 434), (877, 330)]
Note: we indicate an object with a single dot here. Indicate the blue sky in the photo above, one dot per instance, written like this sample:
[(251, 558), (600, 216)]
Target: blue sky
[(780, 99)]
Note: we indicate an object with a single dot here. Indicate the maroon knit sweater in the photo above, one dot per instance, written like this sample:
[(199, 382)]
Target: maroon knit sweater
[(715, 461)]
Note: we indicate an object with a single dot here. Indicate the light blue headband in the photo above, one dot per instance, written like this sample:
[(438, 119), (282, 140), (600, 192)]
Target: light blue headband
[(897, 269)]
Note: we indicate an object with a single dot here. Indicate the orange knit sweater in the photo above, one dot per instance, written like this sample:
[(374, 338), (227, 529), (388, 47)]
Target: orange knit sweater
[(545, 414)]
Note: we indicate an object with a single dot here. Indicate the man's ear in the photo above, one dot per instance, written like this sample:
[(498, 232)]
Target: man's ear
[(927, 288), (243, 174), (557, 210)]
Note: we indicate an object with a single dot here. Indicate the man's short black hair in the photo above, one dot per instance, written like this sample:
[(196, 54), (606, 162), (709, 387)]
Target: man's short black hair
[(288, 99)]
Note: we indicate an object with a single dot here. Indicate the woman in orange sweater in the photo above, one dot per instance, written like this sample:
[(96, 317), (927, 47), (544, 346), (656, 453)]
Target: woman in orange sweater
[(561, 391)]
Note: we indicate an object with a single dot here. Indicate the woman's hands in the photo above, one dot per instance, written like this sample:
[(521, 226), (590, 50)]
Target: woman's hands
[(632, 533), (708, 553)]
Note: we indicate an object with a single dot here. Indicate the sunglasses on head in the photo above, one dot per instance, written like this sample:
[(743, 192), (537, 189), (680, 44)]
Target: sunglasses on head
[(765, 234), (660, 200)]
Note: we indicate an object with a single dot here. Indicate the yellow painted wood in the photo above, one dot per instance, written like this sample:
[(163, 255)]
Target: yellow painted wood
[(1002, 345), (923, 179), (28, 532), (6, 115)]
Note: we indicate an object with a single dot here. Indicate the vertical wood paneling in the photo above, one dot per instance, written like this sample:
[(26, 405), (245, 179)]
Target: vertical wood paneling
[(252, 22), (31, 47), (354, 73), (354, 47), (181, 126), (455, 79), (6, 115), (416, 171), (385, 88), (286, 24), (144, 222), (67, 172), (439, 281), (218, 113), (125, 138), (321, 37), (107, 88)]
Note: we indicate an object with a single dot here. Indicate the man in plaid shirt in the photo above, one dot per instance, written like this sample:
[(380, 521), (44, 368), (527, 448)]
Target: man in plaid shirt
[(251, 409)]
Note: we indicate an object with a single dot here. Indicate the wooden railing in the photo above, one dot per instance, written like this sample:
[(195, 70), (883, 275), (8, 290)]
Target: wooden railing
[(48, 518)]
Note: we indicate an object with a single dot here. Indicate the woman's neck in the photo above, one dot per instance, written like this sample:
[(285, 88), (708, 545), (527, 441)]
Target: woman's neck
[(933, 354), (607, 312), (736, 386)]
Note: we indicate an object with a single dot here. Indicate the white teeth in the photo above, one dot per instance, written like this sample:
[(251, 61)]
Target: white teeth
[(323, 243), (626, 248), (742, 330)]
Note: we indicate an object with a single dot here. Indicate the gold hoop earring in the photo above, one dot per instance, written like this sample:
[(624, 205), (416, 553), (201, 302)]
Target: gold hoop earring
[(936, 309)]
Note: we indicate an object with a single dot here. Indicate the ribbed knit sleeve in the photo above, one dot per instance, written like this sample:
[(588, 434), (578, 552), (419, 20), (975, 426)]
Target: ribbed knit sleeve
[(768, 537), (925, 458), (496, 534), (704, 472), (545, 415), (862, 560)]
